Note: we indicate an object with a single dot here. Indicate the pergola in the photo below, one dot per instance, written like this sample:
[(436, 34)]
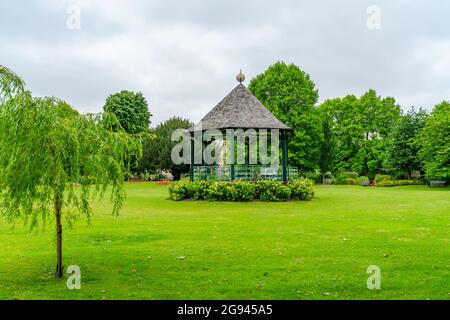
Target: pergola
[(240, 109)]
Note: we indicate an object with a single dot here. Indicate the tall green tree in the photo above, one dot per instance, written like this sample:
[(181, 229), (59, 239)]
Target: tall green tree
[(403, 152), (434, 140), (290, 94), (360, 127), (158, 146), (53, 159), (347, 135), (131, 110), (378, 117), (327, 149)]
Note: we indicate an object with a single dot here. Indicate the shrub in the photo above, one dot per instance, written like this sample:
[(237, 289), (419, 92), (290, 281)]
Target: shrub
[(217, 191), (302, 189), (364, 181), (346, 181), (180, 191), (353, 175), (200, 190), (382, 178), (347, 178), (315, 176), (272, 191), (399, 183), (243, 191), (231, 191)]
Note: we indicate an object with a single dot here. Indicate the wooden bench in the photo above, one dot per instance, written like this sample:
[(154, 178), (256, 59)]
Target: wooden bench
[(439, 184)]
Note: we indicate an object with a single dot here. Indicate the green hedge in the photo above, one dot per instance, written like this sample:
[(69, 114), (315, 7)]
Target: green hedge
[(399, 183), (346, 181), (383, 177), (347, 178), (271, 191)]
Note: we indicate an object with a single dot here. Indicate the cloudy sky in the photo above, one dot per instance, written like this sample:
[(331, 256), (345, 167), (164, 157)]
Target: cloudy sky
[(184, 55)]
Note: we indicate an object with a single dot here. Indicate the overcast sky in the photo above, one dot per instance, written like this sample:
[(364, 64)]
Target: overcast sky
[(184, 55)]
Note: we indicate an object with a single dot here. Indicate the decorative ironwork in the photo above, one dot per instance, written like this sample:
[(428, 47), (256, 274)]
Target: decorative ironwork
[(242, 173)]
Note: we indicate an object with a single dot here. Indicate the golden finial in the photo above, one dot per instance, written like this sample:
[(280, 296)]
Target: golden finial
[(240, 77)]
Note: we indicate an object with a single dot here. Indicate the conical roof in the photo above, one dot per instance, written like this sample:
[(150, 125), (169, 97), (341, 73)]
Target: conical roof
[(240, 109)]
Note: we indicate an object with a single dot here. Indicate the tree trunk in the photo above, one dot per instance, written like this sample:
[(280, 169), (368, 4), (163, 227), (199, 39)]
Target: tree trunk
[(59, 266)]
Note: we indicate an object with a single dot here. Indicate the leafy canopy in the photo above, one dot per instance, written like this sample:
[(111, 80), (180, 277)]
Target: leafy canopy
[(434, 140), (358, 129), (131, 111), (158, 147), (50, 151), (403, 151), (290, 94)]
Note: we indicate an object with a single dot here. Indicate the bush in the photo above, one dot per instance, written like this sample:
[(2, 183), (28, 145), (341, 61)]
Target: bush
[(200, 190), (273, 191), (364, 181), (218, 191), (382, 178), (399, 183), (315, 176), (243, 191), (231, 191), (347, 178), (353, 175), (346, 181), (180, 191), (302, 189)]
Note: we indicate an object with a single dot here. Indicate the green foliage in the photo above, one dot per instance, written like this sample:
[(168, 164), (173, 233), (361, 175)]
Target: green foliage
[(131, 111), (200, 190), (273, 191), (180, 190), (347, 178), (359, 128), (245, 191), (383, 178), (302, 189), (399, 183), (315, 176), (158, 146), (353, 175), (402, 151), (218, 191), (327, 149), (434, 141), (10, 84), (242, 191), (290, 94), (50, 153), (231, 191), (346, 181), (45, 152)]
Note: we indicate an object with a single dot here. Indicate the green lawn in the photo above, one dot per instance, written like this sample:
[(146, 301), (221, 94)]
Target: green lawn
[(298, 250)]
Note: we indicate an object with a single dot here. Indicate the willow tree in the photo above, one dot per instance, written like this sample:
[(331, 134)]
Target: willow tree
[(53, 160)]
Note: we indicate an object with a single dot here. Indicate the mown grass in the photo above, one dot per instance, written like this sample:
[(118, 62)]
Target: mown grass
[(297, 250)]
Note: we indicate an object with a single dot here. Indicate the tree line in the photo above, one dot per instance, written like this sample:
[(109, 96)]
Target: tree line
[(368, 135)]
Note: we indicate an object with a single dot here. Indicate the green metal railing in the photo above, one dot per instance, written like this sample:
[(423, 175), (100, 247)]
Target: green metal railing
[(242, 173)]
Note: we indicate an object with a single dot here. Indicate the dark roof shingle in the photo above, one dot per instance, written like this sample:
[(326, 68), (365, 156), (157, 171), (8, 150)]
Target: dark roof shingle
[(240, 109)]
